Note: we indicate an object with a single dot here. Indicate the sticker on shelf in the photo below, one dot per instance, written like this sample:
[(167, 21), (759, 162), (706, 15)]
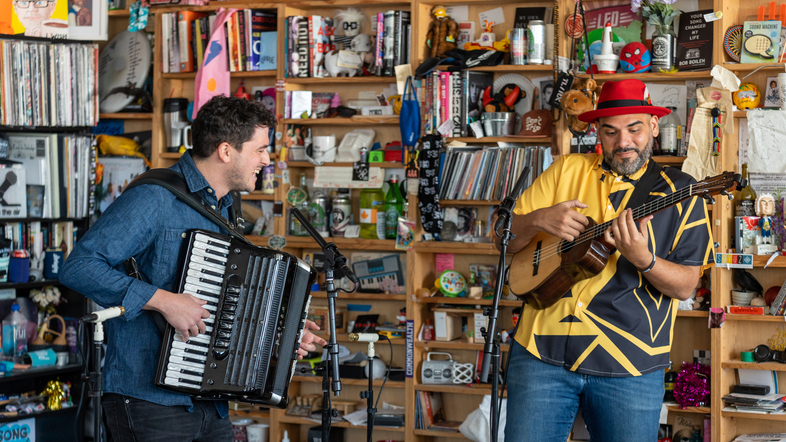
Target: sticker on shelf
[(281, 85), (734, 260), (279, 135), (277, 242), (284, 175)]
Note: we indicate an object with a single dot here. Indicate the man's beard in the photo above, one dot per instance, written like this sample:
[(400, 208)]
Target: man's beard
[(629, 166)]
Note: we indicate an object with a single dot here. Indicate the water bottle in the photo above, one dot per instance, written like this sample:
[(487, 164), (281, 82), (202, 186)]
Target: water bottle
[(15, 333)]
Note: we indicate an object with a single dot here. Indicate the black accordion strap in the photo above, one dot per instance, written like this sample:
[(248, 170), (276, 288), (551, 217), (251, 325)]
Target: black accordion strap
[(176, 183)]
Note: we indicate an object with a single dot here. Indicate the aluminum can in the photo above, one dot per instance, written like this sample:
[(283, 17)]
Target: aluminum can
[(319, 214), (518, 46), (340, 214), (536, 33)]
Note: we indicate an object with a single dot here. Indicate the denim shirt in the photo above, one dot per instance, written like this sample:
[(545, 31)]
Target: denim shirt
[(149, 223)]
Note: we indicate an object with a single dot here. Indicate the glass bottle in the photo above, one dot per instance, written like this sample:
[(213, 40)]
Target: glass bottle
[(297, 228), (669, 379), (668, 138), (372, 203), (664, 45), (394, 204), (746, 198)]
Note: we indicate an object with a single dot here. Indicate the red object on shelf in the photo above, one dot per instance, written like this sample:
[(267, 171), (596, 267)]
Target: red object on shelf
[(393, 152)]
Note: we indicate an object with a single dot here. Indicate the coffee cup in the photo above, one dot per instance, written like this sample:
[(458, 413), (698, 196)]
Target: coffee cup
[(257, 432)]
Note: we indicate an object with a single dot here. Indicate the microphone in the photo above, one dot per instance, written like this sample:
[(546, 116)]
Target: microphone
[(103, 315), (364, 337), (510, 201)]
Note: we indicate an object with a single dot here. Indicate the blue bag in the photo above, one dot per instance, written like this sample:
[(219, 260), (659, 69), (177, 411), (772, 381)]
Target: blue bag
[(409, 117)]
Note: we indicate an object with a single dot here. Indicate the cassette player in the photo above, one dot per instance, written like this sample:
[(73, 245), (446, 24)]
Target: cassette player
[(438, 372)]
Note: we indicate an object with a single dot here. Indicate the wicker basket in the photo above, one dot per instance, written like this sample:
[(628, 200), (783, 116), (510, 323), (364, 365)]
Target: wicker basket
[(58, 344)]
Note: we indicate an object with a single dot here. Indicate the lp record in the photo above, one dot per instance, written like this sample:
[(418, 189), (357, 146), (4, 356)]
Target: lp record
[(125, 61), (683, 435)]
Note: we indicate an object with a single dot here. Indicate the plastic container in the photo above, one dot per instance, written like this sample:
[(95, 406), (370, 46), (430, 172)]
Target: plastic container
[(15, 333)]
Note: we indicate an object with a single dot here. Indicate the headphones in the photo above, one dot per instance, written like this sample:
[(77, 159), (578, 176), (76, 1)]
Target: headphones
[(762, 353)]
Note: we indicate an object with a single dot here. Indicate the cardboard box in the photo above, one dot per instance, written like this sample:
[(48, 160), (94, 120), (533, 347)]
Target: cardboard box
[(447, 327), (319, 314)]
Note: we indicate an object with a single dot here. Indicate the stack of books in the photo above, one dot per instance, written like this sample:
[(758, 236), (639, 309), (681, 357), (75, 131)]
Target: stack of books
[(754, 403)]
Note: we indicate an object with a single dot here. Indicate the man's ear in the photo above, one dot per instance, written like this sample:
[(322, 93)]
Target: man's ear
[(654, 125), (223, 152)]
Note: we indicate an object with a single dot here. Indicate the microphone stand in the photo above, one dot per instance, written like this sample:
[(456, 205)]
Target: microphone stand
[(491, 349), (369, 395), (336, 263), (95, 379)]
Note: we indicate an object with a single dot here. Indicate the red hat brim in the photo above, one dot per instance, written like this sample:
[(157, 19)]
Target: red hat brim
[(593, 115)]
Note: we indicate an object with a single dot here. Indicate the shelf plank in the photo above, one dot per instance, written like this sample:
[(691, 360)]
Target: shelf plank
[(302, 242), (335, 423), (761, 261), (698, 410), (437, 433), (458, 344), (241, 74), (257, 196), (737, 363), (677, 76), (347, 381), (543, 140), (383, 165), (363, 296), (460, 203), (467, 301), (669, 160), (127, 116), (742, 67), (466, 248), (369, 79), (480, 389), (695, 314), (764, 417), (338, 121), (253, 414), (507, 67), (755, 318)]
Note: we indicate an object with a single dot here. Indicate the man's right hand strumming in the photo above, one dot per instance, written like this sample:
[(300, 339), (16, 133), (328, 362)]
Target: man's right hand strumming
[(560, 220), (183, 311)]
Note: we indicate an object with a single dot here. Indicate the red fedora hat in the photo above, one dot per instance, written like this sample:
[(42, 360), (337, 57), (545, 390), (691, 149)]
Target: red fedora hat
[(621, 98)]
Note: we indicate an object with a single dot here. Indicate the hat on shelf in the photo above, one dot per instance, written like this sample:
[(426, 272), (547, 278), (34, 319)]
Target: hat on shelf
[(622, 98), (536, 124)]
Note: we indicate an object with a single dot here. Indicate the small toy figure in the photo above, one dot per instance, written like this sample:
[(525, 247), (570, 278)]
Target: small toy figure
[(442, 32), (402, 317), (765, 208)]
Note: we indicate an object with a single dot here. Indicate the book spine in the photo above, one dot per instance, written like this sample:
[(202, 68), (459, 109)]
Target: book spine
[(302, 47), (744, 310), (241, 40), (378, 61), (456, 99)]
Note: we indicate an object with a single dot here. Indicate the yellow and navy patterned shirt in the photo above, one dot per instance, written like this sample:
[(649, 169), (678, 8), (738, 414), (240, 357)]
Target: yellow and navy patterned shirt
[(615, 324)]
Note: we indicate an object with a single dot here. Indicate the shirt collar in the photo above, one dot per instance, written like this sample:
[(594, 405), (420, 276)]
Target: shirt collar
[(196, 181)]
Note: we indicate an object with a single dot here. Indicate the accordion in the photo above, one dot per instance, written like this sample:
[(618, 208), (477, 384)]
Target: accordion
[(258, 299)]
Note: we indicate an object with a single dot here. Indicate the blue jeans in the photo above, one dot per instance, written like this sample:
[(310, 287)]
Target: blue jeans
[(134, 420), (543, 401)]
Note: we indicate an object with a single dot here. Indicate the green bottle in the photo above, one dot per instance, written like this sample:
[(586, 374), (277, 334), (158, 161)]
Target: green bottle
[(297, 228), (395, 208), (372, 209)]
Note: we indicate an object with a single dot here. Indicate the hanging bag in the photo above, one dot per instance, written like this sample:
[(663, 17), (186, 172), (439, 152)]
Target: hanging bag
[(409, 117)]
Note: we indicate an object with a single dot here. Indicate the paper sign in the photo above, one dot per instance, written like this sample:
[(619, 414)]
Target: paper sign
[(360, 171), (19, 431), (444, 261), (458, 13), (496, 16), (734, 260), (402, 72), (446, 128), (341, 177)]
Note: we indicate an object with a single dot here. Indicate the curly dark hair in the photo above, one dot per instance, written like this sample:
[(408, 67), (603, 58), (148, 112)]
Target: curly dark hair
[(227, 119)]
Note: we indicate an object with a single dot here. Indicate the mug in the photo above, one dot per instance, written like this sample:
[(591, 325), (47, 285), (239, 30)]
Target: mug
[(183, 131), (782, 89), (257, 432), (324, 148)]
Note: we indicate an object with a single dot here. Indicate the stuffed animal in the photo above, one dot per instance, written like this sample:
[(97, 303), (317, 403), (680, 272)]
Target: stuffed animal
[(331, 65), (580, 99), (442, 32)]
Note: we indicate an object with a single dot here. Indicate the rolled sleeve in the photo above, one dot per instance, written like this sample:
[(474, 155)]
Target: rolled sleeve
[(95, 266)]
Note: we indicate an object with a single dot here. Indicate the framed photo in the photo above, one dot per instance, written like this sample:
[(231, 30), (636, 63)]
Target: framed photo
[(771, 94)]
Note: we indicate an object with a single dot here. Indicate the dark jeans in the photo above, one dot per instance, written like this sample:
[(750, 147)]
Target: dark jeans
[(135, 420)]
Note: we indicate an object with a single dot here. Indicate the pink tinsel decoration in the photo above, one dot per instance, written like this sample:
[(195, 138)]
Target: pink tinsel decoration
[(692, 388)]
